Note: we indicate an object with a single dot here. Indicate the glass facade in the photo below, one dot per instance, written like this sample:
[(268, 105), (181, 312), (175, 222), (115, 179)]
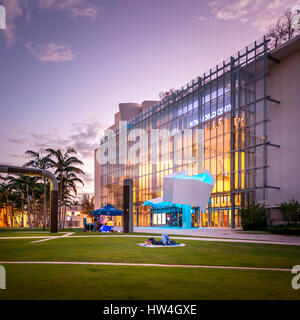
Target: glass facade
[(218, 122)]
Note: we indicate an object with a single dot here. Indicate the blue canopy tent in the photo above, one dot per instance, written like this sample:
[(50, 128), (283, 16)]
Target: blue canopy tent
[(107, 210)]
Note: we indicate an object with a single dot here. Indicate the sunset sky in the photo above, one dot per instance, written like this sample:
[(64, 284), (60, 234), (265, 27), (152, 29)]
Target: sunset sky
[(65, 65)]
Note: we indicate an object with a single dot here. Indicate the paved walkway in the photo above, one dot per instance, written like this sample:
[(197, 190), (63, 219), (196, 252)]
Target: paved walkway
[(54, 237), (144, 265), (223, 233)]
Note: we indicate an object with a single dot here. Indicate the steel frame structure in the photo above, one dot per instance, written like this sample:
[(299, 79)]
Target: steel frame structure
[(241, 81)]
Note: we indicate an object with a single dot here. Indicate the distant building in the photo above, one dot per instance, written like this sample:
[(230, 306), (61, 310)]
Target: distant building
[(74, 217)]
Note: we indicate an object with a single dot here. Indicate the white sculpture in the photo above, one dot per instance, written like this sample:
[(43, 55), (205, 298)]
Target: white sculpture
[(194, 191)]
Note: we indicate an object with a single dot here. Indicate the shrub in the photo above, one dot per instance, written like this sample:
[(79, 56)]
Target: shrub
[(290, 211), (284, 229), (254, 217)]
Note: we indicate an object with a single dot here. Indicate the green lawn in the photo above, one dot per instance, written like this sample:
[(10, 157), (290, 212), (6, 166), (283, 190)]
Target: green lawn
[(31, 230), (105, 282), (87, 282), (28, 234), (154, 235), (121, 249), (39, 231)]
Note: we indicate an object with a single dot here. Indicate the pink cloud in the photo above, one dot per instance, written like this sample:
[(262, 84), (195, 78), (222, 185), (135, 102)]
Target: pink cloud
[(259, 13)]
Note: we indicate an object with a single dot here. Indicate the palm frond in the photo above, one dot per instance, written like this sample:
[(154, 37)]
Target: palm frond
[(32, 154)]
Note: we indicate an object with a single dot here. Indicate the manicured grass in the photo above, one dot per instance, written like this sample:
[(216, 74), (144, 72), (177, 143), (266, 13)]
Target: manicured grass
[(28, 234), (122, 249), (110, 282), (132, 282), (156, 235), (39, 231), (47, 230), (91, 233), (152, 235)]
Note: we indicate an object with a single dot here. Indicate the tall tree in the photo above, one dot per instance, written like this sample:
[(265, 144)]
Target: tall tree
[(290, 31), (284, 29), (30, 184), (40, 162), (70, 190), (277, 33), (19, 185), (66, 170), (87, 203), (4, 192), (10, 199)]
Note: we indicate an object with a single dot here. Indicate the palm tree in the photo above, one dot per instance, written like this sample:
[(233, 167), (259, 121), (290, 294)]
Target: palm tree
[(19, 185), (66, 170), (9, 199), (30, 184), (4, 191), (42, 163), (13, 198), (69, 182)]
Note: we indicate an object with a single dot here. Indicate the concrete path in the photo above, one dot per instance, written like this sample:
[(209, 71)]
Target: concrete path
[(53, 237), (223, 233), (144, 265), (67, 234)]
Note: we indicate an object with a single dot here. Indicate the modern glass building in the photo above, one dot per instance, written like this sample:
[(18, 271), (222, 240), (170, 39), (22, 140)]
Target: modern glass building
[(220, 122)]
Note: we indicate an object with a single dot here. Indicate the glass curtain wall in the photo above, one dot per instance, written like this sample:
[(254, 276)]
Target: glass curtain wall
[(229, 105)]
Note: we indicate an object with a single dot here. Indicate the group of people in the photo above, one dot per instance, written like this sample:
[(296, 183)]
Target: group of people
[(99, 222)]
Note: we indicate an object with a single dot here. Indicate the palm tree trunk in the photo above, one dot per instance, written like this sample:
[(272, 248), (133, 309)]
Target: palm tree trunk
[(48, 217), (18, 224), (44, 205), (6, 215), (28, 207), (22, 205), (34, 211), (60, 206), (12, 216), (35, 214), (64, 217)]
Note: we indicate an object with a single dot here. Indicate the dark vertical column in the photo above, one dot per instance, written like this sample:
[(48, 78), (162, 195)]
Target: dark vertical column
[(253, 195), (246, 130), (128, 206), (265, 128), (232, 143), (137, 215), (53, 210), (239, 165)]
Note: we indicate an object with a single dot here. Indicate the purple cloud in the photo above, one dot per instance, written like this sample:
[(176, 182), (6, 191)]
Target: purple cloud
[(260, 13), (84, 138), (15, 9), (18, 141), (51, 52)]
